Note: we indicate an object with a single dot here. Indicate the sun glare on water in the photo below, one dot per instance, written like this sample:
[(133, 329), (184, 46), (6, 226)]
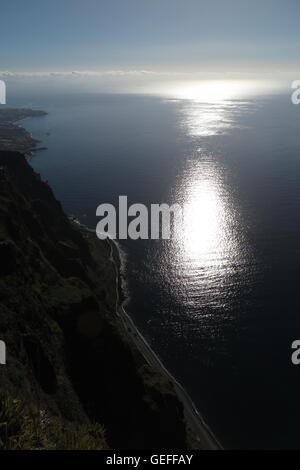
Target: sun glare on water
[(210, 245), (215, 90)]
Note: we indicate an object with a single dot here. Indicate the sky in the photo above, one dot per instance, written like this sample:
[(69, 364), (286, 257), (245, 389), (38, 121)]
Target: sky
[(149, 38)]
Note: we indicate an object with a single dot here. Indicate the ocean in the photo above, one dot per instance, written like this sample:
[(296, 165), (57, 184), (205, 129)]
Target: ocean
[(219, 305)]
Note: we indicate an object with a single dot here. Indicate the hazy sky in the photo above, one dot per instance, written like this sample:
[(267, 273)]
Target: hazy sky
[(157, 36)]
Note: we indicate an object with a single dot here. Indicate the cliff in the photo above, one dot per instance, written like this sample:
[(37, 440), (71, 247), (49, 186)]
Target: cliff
[(13, 137), (73, 378)]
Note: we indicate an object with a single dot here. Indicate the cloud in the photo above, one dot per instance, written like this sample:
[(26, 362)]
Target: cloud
[(108, 81), (83, 74)]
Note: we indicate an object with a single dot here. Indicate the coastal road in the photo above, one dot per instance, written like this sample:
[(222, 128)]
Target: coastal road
[(207, 440)]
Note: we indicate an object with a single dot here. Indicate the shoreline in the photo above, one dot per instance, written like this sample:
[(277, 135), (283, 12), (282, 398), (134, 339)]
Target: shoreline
[(193, 419), (204, 435), (13, 135)]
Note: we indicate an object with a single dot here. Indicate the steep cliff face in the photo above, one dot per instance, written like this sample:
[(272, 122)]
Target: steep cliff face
[(70, 366)]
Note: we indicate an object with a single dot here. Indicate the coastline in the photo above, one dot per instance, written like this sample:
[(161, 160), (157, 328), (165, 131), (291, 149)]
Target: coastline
[(202, 434), (206, 440), (14, 136), (205, 437)]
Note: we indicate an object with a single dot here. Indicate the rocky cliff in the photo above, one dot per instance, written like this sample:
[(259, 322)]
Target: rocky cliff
[(73, 379)]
